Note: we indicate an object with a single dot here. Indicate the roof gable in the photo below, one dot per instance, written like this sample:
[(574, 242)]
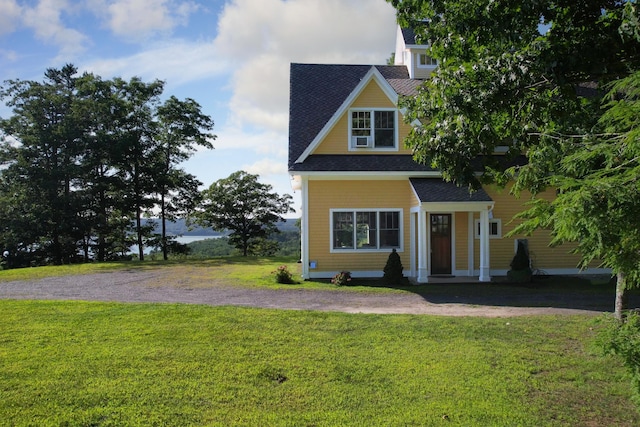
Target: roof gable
[(372, 75), (319, 95)]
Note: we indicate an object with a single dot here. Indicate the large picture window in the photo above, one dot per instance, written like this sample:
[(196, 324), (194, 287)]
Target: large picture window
[(373, 129), (365, 229)]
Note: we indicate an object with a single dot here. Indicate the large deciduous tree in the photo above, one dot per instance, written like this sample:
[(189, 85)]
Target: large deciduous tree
[(245, 207), (83, 159), (531, 76), (182, 127)]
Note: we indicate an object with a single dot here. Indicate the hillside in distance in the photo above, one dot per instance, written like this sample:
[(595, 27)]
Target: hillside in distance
[(180, 228)]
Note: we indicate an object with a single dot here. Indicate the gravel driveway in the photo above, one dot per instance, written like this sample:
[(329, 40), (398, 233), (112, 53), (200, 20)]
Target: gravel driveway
[(150, 286)]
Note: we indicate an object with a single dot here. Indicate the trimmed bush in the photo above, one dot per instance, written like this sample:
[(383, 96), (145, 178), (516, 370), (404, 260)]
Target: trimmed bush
[(393, 268), (520, 270)]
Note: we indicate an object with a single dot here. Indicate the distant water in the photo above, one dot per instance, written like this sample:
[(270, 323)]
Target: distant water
[(188, 239), (184, 240)]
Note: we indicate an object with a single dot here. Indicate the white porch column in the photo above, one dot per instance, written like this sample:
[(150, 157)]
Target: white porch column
[(304, 229), (423, 273), (470, 243), (485, 259)]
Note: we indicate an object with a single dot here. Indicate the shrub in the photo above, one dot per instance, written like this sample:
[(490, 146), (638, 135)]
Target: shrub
[(623, 339), (341, 279), (393, 268), (520, 271), (521, 259), (283, 275)]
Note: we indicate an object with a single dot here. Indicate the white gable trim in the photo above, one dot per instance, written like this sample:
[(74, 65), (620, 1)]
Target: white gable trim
[(372, 74)]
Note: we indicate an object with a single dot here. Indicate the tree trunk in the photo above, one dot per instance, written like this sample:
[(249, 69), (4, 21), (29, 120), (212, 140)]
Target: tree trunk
[(139, 230), (164, 228), (621, 296)]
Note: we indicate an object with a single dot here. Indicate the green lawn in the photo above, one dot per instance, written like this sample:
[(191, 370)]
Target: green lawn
[(108, 364)]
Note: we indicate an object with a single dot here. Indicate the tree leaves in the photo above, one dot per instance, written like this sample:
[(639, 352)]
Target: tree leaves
[(244, 206)]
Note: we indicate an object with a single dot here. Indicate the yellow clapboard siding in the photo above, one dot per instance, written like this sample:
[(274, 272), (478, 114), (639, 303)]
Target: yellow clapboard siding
[(502, 250), (461, 221), (337, 140), (369, 194)]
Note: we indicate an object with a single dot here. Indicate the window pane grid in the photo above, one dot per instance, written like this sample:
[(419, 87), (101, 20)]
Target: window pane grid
[(380, 125), (373, 230), (343, 230), (366, 229), (361, 123), (389, 229), (384, 128)]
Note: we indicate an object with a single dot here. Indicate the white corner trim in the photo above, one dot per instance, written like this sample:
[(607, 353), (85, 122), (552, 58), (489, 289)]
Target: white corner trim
[(372, 74)]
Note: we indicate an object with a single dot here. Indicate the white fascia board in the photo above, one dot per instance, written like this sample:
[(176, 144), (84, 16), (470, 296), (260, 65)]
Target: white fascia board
[(456, 206), (372, 74), (335, 176)]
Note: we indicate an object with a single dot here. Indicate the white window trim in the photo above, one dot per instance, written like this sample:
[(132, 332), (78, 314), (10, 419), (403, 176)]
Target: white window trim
[(396, 138), (476, 227), (419, 65), (400, 248)]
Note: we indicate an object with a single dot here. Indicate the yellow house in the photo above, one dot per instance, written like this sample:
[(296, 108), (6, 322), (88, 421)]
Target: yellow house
[(363, 195)]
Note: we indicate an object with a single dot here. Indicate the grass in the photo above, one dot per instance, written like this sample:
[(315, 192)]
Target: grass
[(81, 364), (111, 364)]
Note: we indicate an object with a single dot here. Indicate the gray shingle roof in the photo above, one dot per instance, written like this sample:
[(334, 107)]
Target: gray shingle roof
[(437, 190), (409, 34), (359, 163), (318, 90), (405, 87)]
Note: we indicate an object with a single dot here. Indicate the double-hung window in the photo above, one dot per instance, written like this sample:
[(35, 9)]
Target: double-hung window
[(426, 61), (495, 228), (365, 229), (373, 129)]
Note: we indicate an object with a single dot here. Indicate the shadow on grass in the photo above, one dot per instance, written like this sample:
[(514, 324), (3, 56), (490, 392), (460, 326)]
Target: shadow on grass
[(545, 291)]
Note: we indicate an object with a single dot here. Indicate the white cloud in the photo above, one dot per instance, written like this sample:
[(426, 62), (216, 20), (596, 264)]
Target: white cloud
[(262, 37), (265, 143), (177, 62), (10, 13), (266, 167), (138, 20), (45, 20), (8, 55)]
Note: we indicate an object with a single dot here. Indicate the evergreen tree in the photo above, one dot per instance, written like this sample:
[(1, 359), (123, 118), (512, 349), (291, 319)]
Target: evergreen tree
[(393, 269)]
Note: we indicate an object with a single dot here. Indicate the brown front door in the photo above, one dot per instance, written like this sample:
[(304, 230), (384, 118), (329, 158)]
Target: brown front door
[(440, 243)]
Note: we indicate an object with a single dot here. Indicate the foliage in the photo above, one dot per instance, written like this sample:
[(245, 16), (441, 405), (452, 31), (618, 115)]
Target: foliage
[(283, 275), (623, 340), (393, 268), (182, 128), (83, 159), (530, 77), (246, 208), (341, 279), (180, 364), (521, 258), (520, 266), (214, 247)]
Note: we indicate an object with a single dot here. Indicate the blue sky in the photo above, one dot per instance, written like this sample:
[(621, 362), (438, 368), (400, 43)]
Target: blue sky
[(231, 56)]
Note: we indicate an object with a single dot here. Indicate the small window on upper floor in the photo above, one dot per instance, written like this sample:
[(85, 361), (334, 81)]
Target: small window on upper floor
[(425, 60), (375, 129)]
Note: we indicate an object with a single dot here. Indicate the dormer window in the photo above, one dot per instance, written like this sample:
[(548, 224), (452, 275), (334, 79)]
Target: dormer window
[(425, 61), (374, 129)]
